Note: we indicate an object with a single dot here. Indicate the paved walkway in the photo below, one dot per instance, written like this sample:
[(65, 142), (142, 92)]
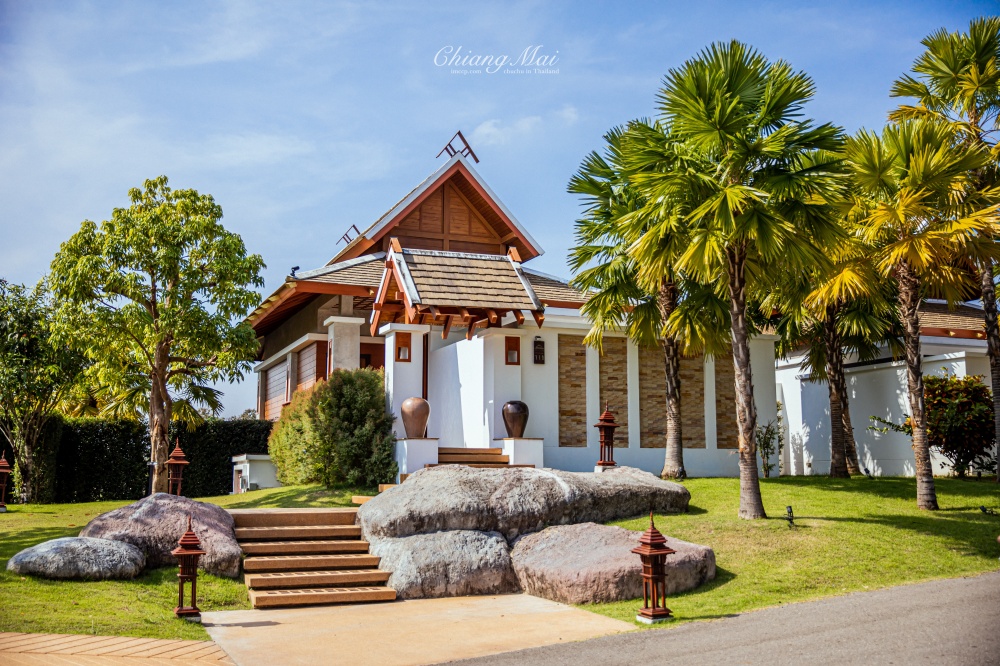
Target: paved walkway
[(419, 631), (85, 650), (955, 621)]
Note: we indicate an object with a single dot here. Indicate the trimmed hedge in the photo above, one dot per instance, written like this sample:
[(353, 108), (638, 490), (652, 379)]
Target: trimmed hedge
[(210, 449), (101, 459), (92, 459)]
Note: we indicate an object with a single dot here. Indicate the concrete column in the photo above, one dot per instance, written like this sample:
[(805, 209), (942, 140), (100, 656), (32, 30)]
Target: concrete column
[(594, 406), (291, 374), (344, 336), (403, 379), (632, 376), (711, 433)]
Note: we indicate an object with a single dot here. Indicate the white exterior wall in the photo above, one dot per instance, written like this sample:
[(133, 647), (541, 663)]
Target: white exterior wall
[(403, 380), (468, 383), (873, 390)]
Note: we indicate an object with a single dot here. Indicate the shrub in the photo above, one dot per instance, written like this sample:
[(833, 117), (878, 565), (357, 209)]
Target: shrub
[(43, 464), (354, 429), (959, 421), (293, 445)]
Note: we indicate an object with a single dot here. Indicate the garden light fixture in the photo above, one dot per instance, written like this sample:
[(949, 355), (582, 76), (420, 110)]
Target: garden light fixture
[(175, 469), (867, 473), (789, 516), (606, 426), (4, 475), (988, 512), (653, 551), (187, 552)]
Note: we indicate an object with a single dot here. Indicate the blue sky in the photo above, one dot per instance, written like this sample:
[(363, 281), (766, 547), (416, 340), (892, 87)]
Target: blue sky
[(304, 118)]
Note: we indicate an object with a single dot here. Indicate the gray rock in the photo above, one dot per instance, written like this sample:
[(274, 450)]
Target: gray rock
[(155, 523), (514, 501), (80, 558), (447, 564), (591, 563)]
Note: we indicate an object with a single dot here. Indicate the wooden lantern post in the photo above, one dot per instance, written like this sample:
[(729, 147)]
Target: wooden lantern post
[(606, 426), (4, 475), (653, 551), (175, 469), (188, 552)]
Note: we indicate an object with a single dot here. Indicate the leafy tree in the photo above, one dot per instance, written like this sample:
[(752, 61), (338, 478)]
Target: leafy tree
[(757, 198), (957, 80), (159, 291), (36, 373), (918, 230)]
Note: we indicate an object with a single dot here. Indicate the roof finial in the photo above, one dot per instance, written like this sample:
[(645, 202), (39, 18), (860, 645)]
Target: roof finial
[(465, 149)]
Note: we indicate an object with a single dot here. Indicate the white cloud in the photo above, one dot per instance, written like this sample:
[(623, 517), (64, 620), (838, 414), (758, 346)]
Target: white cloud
[(494, 132)]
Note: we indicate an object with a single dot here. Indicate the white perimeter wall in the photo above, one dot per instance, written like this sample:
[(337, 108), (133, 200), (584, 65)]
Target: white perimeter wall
[(873, 390)]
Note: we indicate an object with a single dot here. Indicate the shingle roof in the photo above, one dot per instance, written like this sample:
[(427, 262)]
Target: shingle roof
[(550, 289), (365, 271), (458, 279), (962, 318)]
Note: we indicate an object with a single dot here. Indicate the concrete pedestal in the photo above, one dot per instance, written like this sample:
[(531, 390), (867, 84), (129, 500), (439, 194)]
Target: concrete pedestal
[(523, 450), (603, 468), (414, 452)]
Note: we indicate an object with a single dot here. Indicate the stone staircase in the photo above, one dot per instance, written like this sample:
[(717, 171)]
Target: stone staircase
[(493, 457), (305, 557)]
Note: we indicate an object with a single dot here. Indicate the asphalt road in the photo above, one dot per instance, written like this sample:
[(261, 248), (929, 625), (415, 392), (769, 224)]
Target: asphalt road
[(953, 621)]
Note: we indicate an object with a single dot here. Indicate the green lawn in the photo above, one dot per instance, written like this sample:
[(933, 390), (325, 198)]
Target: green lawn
[(140, 607), (850, 535)]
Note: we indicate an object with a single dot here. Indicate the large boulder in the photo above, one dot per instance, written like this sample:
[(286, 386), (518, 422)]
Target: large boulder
[(155, 523), (80, 558), (514, 501), (589, 563), (447, 564)]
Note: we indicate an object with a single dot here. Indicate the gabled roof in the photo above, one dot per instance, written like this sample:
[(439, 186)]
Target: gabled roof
[(442, 287), (554, 292), (471, 184)]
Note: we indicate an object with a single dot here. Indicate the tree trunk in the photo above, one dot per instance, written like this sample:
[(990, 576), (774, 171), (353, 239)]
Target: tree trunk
[(673, 463), (751, 504), (909, 306), (834, 366), (25, 473), (853, 461), (993, 349), (160, 407)]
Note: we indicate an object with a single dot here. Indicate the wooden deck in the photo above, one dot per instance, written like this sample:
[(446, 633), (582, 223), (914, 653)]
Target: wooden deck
[(18, 649)]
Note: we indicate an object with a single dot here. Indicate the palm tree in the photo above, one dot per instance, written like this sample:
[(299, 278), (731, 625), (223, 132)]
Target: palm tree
[(957, 80), (824, 334), (913, 215), (756, 198), (604, 268)]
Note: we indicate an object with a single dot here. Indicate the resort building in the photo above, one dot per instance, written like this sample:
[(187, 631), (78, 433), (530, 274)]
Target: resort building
[(440, 293)]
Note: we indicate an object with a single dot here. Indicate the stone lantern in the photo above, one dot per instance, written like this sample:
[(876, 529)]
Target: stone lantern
[(653, 551), (606, 426), (4, 475), (175, 469), (187, 552)]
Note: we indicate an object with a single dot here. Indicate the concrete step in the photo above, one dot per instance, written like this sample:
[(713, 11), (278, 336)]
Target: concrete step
[(286, 532), (268, 563), (466, 458), (361, 499), (402, 477), (299, 517), (321, 595), (382, 487), (480, 465), (448, 450), (285, 580), (303, 547)]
